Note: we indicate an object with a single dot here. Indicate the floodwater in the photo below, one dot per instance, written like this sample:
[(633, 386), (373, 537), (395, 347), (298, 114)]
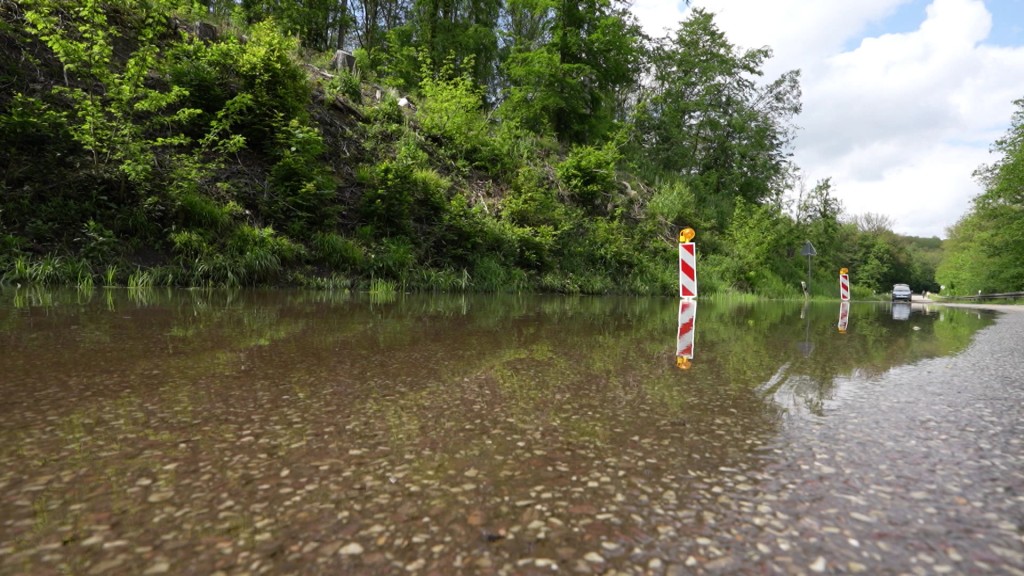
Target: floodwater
[(280, 432)]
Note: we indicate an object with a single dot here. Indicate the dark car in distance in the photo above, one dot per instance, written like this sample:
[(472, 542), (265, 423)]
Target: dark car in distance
[(901, 292)]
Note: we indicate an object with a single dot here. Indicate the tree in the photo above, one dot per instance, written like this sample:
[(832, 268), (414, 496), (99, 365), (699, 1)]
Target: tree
[(373, 19), (702, 115), (986, 247), (872, 223), (456, 33), (567, 63), (965, 264), (320, 24), (597, 43)]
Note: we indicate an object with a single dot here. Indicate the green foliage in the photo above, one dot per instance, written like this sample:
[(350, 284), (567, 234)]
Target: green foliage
[(401, 199), (347, 84), (301, 190), (205, 161), (533, 201), (491, 275), (568, 64), (444, 31), (51, 269), (588, 176), (121, 124), (382, 291), (754, 238), (966, 266), (97, 242), (674, 207), (986, 247), (451, 111), (30, 125), (703, 116), (394, 258), (338, 252), (320, 24), (532, 99)]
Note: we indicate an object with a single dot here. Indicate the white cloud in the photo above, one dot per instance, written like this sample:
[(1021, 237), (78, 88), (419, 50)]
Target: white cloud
[(900, 120)]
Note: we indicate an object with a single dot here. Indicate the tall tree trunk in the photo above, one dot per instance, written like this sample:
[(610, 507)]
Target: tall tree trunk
[(342, 23)]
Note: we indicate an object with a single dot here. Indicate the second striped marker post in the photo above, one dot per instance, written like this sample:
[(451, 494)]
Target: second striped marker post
[(687, 264)]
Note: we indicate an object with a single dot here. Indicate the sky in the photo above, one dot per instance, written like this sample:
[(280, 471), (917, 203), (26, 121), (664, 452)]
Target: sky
[(902, 99)]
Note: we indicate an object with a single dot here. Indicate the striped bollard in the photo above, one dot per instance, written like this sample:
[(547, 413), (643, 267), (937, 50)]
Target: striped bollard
[(844, 316), (687, 329), (687, 264), (844, 285)]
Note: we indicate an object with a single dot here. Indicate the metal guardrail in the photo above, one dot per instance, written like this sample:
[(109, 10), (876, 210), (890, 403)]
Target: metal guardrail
[(983, 296)]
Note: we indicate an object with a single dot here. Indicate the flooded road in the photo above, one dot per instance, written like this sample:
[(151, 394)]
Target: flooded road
[(318, 433)]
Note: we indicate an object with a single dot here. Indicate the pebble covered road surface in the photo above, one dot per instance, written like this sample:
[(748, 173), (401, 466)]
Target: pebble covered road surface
[(918, 470)]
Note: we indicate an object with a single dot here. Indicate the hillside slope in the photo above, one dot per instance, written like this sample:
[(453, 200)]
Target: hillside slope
[(146, 147)]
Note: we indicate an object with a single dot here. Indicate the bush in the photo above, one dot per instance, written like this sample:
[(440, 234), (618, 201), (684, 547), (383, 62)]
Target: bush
[(588, 176), (302, 191), (338, 252), (532, 201), (394, 258), (346, 84), (401, 199), (490, 275), (451, 111), (675, 203)]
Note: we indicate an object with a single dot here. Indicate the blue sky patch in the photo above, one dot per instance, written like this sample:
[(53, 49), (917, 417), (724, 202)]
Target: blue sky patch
[(1007, 22)]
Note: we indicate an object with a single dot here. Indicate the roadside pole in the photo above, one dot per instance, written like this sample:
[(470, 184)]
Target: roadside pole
[(687, 264), (808, 251)]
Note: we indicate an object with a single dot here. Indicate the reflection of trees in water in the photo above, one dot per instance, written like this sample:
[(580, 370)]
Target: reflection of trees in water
[(584, 366), (798, 355)]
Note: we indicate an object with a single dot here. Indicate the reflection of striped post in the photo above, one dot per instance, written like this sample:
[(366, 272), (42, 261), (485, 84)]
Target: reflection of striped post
[(844, 286), (687, 270), (687, 328), (844, 316)]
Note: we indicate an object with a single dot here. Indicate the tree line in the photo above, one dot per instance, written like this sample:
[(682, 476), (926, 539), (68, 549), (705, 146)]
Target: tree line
[(477, 145), (985, 249)]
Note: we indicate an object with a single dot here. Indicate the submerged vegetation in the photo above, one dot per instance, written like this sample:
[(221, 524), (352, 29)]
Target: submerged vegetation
[(518, 145)]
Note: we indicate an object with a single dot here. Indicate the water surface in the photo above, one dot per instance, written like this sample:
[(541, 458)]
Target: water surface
[(309, 432)]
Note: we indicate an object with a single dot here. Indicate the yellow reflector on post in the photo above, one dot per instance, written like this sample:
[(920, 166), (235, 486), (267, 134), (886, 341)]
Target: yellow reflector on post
[(686, 234), (843, 271)]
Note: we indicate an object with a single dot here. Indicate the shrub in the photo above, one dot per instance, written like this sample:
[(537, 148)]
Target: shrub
[(675, 203), (302, 191), (489, 275), (451, 111), (588, 175), (346, 84), (395, 258), (338, 251), (386, 204), (97, 242), (532, 201)]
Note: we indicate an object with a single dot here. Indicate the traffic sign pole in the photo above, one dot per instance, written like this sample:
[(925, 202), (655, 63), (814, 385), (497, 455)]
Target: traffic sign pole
[(808, 251)]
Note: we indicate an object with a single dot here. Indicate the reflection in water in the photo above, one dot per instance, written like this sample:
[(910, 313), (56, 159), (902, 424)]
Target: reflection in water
[(686, 333), (203, 430), (844, 317), (805, 346), (901, 311)]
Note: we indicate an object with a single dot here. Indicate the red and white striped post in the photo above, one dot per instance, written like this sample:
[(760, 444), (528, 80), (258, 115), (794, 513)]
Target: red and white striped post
[(844, 285), (844, 316), (687, 264), (687, 330)]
